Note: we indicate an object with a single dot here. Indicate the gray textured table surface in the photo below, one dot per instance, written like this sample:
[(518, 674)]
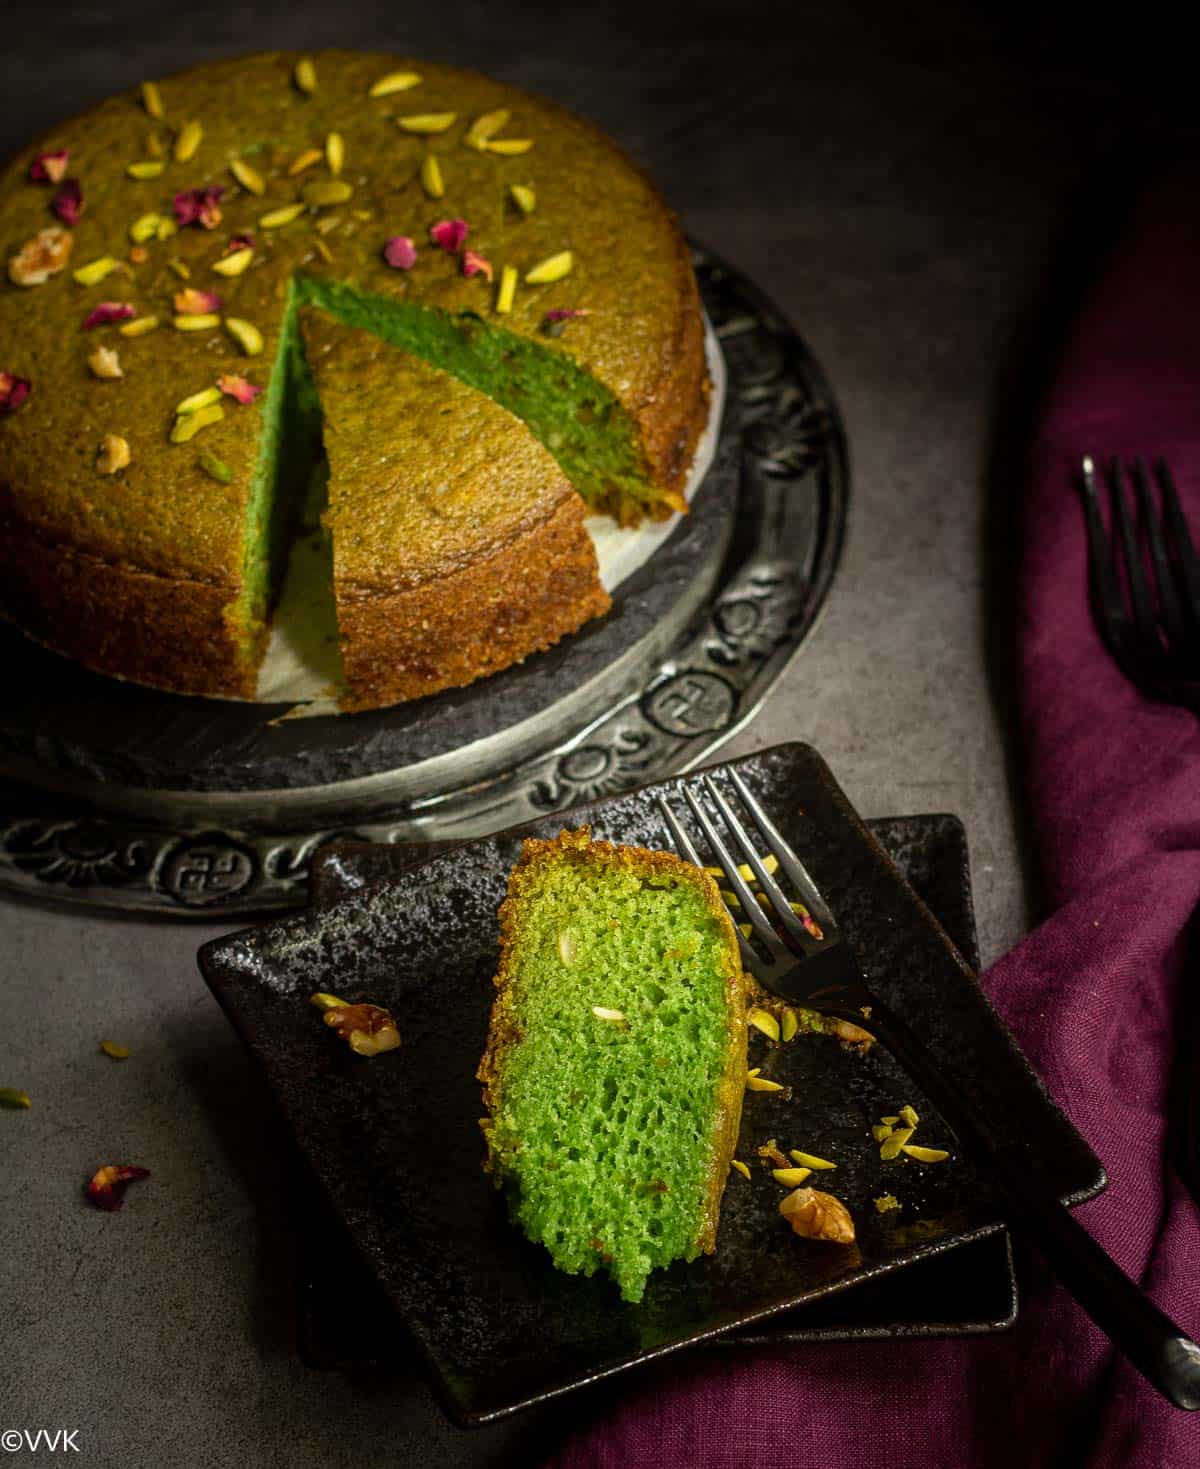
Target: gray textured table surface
[(897, 185)]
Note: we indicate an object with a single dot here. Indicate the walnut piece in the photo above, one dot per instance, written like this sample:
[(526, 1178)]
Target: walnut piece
[(367, 1028), (816, 1215), (43, 256), (105, 362), (114, 454)]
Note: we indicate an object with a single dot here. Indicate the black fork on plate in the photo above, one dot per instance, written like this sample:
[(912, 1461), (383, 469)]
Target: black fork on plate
[(807, 961), (1151, 623)]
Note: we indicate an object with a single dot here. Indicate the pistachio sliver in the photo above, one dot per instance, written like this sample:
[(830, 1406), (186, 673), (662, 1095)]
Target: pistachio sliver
[(152, 101), (145, 228), (248, 177), (891, 1146), (190, 424), (427, 122), (510, 147), (215, 468), (553, 268), (909, 1115), (197, 401), (526, 201), (14, 1097), (305, 75), (321, 193), (431, 177), (508, 289), (304, 160), (485, 126), (764, 1021), (740, 1166), (202, 321), (603, 1012), (188, 141), (925, 1155), (790, 1024), (276, 218), (116, 1051), (394, 81), (808, 1160), (791, 1177), (234, 263), (95, 270), (139, 326), (149, 168), (335, 153), (245, 334), (762, 1084)]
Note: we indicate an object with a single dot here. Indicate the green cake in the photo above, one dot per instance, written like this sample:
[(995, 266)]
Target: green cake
[(616, 1057), (173, 235)]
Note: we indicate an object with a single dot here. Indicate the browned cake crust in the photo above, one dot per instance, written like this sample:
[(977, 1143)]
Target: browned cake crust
[(473, 621), (170, 632)]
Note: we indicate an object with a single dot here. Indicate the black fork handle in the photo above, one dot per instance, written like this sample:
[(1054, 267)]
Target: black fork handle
[(1161, 1352)]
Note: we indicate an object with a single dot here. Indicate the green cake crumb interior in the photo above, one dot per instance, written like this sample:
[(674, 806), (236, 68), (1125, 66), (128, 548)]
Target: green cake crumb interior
[(575, 417), (566, 409), (606, 1128)]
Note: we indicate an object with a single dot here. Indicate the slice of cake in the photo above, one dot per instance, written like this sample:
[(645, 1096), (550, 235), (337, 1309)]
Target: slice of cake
[(616, 1058), (459, 545)]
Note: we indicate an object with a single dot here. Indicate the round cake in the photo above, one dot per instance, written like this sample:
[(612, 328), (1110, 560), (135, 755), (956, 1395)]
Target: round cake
[(457, 306)]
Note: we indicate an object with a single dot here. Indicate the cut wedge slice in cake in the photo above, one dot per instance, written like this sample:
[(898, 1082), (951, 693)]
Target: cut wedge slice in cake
[(459, 545), (616, 1056), (536, 264)]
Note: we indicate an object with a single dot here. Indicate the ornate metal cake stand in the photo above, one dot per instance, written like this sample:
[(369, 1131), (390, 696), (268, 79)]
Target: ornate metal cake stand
[(121, 797)]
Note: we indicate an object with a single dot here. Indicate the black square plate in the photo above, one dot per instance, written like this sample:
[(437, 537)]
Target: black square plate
[(345, 1322), (396, 1145)]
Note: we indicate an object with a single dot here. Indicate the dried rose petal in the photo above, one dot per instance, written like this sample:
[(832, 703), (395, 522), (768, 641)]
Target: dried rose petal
[(199, 206), (400, 252), (450, 234), (48, 168), (106, 312), (68, 202), (238, 387), (13, 391), (106, 1187), (474, 264), (238, 242), (192, 302), (562, 313)]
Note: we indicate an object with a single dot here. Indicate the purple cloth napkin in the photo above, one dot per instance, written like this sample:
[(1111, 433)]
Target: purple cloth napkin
[(1114, 782)]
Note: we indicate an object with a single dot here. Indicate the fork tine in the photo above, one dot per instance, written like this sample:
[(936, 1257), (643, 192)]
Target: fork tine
[(1181, 537), (1168, 601), (1135, 571), (810, 893), (1106, 589), (779, 903), (755, 916), (687, 848)]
